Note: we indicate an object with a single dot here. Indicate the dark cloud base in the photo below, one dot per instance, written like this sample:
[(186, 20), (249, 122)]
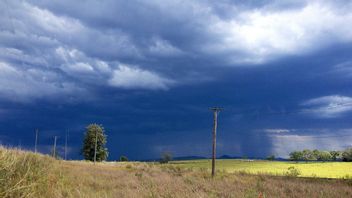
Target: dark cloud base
[(149, 71)]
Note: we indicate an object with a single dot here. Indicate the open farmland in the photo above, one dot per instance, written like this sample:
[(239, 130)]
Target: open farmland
[(305, 169), (25, 174)]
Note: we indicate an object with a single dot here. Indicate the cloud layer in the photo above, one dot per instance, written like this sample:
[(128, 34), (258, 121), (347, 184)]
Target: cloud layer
[(149, 71), (83, 43)]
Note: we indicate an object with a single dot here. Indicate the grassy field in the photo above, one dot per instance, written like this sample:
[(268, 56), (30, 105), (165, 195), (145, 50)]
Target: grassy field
[(25, 174), (306, 169)]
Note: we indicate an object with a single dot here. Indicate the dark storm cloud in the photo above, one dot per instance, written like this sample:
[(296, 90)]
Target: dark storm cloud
[(149, 70)]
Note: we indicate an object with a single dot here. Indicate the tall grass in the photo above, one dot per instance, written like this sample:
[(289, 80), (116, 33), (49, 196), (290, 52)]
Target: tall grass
[(25, 174)]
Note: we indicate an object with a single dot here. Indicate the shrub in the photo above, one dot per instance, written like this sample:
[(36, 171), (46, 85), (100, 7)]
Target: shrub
[(129, 166), (292, 171), (123, 158), (165, 158)]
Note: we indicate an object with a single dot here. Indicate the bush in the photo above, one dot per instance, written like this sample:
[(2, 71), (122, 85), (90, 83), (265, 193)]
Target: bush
[(292, 171), (347, 155), (165, 158), (123, 159)]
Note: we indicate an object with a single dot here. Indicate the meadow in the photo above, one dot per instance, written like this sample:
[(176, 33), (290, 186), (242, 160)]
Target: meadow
[(26, 174), (305, 169)]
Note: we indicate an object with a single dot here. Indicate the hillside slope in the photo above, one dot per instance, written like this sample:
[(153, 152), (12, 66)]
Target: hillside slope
[(25, 174)]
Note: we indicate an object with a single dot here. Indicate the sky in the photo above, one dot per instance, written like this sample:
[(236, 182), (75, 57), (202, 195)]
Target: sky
[(148, 71)]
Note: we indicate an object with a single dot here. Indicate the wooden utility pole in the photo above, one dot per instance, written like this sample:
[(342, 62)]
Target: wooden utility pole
[(36, 141), (216, 111), (66, 137), (95, 149), (54, 149)]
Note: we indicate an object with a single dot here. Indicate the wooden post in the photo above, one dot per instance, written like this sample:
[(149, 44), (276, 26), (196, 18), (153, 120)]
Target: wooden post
[(54, 151), (66, 144), (36, 141), (215, 110)]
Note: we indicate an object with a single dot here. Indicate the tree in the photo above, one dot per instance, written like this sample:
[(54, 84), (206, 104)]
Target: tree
[(165, 157), (308, 155), (324, 156), (316, 154), (95, 134), (347, 155), (296, 155), (270, 157), (123, 158), (335, 155)]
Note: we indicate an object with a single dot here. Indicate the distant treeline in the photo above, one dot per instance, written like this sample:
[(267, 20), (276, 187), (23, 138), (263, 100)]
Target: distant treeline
[(317, 155)]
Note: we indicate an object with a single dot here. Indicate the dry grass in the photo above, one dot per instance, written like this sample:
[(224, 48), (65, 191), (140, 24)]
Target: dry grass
[(84, 179), (25, 174)]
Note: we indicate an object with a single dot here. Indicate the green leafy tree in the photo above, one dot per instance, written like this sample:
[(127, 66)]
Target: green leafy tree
[(308, 155), (316, 154), (165, 157), (335, 155), (270, 157), (324, 156), (347, 155), (123, 158), (296, 155), (94, 134)]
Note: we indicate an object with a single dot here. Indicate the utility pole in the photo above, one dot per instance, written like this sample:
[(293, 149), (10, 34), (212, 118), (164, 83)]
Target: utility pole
[(36, 141), (66, 137), (216, 111), (95, 149), (54, 149)]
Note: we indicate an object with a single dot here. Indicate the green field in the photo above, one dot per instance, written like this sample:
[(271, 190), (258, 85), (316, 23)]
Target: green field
[(306, 169)]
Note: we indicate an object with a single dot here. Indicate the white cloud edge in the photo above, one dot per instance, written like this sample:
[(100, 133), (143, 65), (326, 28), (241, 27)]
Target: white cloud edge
[(331, 106), (132, 77)]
